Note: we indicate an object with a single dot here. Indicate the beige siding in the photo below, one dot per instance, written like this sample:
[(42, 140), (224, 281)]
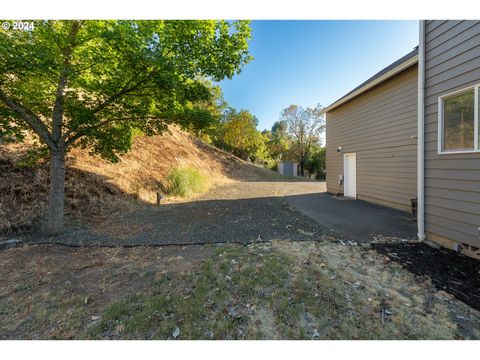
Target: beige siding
[(452, 182), (378, 126)]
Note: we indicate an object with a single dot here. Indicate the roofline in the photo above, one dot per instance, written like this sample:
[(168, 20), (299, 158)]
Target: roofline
[(399, 68)]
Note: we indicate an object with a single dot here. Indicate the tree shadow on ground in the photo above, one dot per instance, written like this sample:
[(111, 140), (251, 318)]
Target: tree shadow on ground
[(242, 221)]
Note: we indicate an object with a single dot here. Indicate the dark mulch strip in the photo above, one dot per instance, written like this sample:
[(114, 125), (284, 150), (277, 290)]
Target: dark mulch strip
[(457, 274)]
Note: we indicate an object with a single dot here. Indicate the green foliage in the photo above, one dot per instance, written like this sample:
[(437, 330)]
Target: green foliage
[(9, 132), (33, 156), (203, 118), (238, 133), (240, 129), (280, 141), (316, 162), (137, 132), (104, 78), (280, 129), (91, 83), (271, 164), (261, 153), (305, 126), (186, 181)]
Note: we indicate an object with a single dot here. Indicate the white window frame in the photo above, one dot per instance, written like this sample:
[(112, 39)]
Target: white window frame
[(476, 120)]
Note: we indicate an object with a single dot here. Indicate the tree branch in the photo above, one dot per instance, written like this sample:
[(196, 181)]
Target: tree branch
[(31, 119), (81, 132), (101, 124), (125, 90), (84, 131), (58, 108)]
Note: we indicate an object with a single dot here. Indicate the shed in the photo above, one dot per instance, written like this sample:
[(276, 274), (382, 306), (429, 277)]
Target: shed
[(288, 168)]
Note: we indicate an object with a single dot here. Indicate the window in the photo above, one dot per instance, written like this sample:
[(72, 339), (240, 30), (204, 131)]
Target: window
[(458, 121)]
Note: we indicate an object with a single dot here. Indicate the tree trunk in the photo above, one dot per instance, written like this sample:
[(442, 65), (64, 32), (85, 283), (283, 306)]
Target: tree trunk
[(57, 193), (302, 165)]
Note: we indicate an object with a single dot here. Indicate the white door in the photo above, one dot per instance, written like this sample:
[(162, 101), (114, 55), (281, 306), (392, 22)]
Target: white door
[(350, 175)]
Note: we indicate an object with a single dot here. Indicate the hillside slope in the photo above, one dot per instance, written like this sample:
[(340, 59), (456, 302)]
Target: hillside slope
[(96, 188)]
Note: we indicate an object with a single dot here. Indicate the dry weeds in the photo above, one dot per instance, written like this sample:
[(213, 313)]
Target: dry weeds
[(278, 290), (95, 188)]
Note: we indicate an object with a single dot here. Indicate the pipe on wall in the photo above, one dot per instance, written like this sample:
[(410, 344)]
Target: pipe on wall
[(421, 135)]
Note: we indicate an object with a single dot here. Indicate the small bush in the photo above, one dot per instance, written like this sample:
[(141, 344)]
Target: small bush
[(271, 164), (186, 181)]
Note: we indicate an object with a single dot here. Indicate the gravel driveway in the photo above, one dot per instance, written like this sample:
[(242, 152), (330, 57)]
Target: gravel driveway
[(239, 212)]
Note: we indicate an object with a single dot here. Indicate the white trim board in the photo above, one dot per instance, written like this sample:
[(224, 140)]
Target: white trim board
[(476, 120)]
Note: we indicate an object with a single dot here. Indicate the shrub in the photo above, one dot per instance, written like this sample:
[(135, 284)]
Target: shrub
[(271, 164), (186, 181), (316, 163)]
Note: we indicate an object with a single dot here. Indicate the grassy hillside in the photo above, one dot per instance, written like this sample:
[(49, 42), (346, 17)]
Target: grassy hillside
[(96, 188)]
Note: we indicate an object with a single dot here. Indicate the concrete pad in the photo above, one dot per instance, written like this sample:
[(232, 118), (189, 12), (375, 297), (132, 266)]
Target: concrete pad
[(354, 219)]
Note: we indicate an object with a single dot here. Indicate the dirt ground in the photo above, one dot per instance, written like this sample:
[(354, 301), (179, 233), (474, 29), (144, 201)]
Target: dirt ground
[(53, 291), (299, 282), (277, 290), (240, 211)]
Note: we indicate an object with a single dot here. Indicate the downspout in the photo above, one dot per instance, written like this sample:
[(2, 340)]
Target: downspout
[(420, 135)]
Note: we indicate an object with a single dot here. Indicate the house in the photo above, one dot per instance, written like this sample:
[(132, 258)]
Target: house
[(412, 132), (371, 137), (287, 168)]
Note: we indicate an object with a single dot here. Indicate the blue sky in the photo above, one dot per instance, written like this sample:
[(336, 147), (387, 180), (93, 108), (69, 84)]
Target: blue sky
[(309, 62)]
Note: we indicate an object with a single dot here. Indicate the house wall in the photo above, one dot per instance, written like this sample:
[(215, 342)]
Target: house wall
[(379, 126), (452, 182)]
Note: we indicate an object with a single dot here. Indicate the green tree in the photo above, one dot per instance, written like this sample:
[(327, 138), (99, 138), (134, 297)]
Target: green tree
[(305, 126), (260, 151), (203, 117), (239, 134), (316, 162), (279, 142), (90, 83), (280, 129)]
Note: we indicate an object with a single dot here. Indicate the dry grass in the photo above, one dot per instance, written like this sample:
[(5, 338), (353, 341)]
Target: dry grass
[(50, 291), (23, 195), (278, 290), (144, 170), (290, 290), (96, 188), (186, 181)]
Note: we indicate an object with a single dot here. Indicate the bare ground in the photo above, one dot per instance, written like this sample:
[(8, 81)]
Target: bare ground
[(276, 290), (240, 211), (315, 288), (51, 291)]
